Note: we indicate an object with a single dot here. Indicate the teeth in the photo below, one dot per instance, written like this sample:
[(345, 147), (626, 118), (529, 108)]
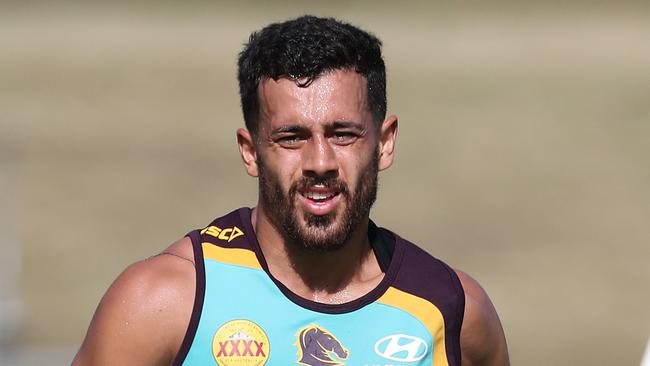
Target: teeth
[(318, 196)]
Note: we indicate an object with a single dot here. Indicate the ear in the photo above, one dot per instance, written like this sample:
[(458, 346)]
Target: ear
[(248, 151), (387, 138)]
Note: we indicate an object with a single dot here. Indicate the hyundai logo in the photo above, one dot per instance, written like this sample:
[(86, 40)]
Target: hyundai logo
[(401, 347)]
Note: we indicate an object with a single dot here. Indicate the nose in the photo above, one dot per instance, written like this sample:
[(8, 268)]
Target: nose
[(319, 159)]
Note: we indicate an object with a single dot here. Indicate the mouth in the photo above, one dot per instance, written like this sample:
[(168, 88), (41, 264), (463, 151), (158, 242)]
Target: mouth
[(320, 200), (319, 196)]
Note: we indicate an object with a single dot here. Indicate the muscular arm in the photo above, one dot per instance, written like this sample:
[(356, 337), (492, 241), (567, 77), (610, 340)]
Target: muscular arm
[(142, 318), (482, 340)]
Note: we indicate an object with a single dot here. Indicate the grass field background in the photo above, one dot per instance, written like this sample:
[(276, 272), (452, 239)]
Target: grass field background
[(522, 156)]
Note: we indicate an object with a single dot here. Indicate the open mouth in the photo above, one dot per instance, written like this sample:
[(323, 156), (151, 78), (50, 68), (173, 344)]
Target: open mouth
[(320, 200), (319, 196)]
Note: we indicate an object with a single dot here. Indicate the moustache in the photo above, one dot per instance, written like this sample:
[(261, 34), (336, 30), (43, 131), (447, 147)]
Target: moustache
[(307, 182)]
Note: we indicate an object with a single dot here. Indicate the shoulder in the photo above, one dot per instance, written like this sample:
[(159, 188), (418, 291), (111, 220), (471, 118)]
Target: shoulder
[(482, 338), (143, 316), (442, 279), (442, 286)]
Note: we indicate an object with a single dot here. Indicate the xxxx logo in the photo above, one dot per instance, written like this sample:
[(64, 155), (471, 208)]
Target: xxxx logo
[(227, 234), (240, 343)]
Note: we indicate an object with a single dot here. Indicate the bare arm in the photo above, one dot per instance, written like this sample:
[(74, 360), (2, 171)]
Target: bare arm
[(482, 340), (142, 318)]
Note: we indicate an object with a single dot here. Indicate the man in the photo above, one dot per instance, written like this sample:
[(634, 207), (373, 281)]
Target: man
[(304, 277)]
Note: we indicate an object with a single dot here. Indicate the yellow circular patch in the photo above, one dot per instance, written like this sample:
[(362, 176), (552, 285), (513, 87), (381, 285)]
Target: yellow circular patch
[(240, 343)]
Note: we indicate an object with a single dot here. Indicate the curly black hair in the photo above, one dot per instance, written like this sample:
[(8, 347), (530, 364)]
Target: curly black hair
[(303, 49)]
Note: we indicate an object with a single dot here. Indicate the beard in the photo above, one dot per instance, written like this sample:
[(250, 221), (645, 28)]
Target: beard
[(323, 233)]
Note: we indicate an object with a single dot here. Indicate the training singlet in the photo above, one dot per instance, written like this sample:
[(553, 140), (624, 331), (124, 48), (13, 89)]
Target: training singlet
[(243, 316)]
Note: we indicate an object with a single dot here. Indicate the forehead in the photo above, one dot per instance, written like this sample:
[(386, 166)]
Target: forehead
[(336, 95)]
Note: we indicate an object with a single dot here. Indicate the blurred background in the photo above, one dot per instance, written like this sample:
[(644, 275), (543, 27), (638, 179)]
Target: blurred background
[(522, 155)]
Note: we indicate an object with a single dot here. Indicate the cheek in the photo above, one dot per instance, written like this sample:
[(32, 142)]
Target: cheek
[(286, 166), (353, 163)]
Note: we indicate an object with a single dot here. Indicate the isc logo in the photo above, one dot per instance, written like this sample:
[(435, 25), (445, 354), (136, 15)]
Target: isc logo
[(227, 234)]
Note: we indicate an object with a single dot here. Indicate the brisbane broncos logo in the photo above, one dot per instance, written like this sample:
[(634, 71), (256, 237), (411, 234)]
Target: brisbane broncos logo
[(317, 347)]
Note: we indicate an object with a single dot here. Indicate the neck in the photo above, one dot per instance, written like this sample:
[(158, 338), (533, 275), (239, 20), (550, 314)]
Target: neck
[(335, 276)]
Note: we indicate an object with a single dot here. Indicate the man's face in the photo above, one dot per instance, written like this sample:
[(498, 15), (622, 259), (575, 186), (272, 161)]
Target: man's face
[(318, 158)]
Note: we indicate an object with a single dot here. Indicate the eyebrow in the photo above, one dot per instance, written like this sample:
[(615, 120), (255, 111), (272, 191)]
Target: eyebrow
[(288, 129), (344, 124)]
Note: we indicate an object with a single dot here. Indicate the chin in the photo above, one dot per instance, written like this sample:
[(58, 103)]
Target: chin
[(325, 233)]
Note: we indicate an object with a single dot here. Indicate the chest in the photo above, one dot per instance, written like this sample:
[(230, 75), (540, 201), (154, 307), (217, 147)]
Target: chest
[(247, 320)]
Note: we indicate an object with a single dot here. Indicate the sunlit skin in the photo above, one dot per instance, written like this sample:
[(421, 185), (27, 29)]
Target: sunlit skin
[(323, 130)]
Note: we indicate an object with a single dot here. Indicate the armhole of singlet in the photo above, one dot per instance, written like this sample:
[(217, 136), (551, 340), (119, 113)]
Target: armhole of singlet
[(460, 315), (199, 295), (383, 244)]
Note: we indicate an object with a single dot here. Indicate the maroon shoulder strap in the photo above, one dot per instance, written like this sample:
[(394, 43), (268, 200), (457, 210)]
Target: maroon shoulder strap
[(429, 278)]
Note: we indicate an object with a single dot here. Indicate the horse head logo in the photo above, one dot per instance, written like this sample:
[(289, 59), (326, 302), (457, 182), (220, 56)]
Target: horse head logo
[(318, 347)]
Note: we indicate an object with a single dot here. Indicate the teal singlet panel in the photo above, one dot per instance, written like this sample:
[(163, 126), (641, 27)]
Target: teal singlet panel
[(242, 293), (243, 316)]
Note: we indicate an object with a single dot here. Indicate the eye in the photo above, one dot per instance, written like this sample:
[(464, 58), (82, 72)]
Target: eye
[(289, 141), (344, 137)]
